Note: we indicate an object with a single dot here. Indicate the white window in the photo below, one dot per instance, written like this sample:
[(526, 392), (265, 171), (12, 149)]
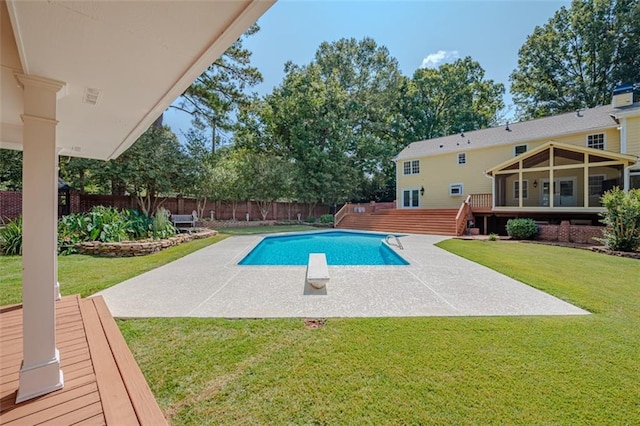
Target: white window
[(411, 167), (519, 149), (462, 158), (525, 189), (410, 198), (456, 189), (595, 141), (595, 185)]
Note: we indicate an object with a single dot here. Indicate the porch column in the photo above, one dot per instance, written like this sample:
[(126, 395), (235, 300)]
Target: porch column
[(40, 372)]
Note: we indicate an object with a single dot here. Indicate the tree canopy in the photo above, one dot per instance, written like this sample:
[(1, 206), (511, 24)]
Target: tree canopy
[(578, 57), (214, 97)]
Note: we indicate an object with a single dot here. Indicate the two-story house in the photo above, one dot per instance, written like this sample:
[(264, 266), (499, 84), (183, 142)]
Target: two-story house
[(550, 169)]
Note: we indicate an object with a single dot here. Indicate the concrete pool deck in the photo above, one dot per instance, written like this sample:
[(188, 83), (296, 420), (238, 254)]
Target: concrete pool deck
[(209, 283)]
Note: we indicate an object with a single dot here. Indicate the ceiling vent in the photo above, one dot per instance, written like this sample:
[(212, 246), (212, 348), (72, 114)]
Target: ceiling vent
[(91, 96)]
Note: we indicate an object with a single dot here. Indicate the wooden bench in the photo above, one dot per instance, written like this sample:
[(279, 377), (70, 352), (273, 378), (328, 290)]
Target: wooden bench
[(184, 219), (317, 270)]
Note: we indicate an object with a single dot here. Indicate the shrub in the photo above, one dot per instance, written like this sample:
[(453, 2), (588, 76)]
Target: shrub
[(622, 219), (161, 226), (493, 237), (139, 225), (310, 219), (72, 229), (11, 237), (326, 218), (521, 229)]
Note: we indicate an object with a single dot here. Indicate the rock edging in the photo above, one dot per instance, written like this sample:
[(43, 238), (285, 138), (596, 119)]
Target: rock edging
[(139, 248)]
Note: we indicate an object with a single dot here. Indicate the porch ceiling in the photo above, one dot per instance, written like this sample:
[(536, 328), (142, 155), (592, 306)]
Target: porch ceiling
[(136, 57), (572, 152)]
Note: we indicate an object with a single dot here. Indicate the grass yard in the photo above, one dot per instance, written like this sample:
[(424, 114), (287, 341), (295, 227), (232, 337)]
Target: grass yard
[(473, 370)]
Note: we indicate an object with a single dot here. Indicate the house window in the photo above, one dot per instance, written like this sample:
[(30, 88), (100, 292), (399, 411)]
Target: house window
[(595, 185), (525, 189), (596, 141), (411, 167), (456, 189), (519, 149), (462, 158)]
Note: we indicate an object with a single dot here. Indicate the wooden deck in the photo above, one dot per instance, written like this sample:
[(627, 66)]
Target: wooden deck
[(102, 382)]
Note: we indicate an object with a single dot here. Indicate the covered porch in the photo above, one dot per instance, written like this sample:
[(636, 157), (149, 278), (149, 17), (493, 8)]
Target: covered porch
[(557, 178)]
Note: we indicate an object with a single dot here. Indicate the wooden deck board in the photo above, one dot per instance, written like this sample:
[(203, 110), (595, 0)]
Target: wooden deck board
[(103, 384)]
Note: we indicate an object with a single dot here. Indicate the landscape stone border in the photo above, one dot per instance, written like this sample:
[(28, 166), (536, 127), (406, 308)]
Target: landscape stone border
[(141, 247)]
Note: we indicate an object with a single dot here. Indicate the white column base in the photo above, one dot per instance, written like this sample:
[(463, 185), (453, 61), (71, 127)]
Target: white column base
[(39, 379)]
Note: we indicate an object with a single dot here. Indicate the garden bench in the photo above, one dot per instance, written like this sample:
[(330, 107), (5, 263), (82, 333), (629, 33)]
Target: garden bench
[(184, 218), (317, 270)]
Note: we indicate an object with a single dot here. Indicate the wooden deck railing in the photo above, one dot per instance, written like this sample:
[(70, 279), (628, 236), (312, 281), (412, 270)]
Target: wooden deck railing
[(481, 201), (349, 208), (461, 217)]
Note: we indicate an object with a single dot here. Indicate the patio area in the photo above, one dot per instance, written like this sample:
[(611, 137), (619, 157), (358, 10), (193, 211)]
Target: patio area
[(103, 384), (209, 283)]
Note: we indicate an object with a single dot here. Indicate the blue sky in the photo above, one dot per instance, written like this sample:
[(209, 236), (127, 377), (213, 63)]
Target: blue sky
[(417, 33)]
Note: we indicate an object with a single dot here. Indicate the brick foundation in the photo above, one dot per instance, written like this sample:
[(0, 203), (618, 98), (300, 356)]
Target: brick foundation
[(565, 232)]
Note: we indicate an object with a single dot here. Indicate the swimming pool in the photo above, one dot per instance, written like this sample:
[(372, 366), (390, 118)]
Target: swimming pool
[(341, 248)]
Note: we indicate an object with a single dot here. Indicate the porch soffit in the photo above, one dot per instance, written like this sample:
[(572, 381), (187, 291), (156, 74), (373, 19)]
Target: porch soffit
[(137, 55), (540, 151)]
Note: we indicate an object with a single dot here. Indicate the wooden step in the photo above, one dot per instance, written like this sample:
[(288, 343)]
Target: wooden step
[(418, 221)]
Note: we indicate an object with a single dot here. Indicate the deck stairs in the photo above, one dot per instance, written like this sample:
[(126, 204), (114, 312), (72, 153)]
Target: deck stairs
[(414, 221)]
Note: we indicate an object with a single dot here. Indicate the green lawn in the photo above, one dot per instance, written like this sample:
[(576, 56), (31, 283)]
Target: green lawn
[(470, 370), (517, 370)]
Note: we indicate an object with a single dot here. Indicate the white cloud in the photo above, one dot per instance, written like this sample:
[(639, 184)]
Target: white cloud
[(434, 60)]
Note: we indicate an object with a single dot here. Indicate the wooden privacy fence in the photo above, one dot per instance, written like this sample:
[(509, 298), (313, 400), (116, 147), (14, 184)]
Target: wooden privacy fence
[(11, 207)]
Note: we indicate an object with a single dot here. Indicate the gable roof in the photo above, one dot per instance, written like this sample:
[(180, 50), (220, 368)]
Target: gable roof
[(591, 119), (626, 158)]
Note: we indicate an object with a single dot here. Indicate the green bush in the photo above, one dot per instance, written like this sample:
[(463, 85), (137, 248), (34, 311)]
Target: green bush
[(161, 226), (310, 219), (326, 218), (622, 219), (139, 225), (522, 229), (11, 237), (493, 237)]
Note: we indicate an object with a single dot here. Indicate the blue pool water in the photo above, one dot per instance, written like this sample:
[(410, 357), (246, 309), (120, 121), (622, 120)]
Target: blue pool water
[(341, 248)]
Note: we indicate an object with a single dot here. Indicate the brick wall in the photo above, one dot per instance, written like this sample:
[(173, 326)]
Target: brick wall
[(565, 232), (10, 204)]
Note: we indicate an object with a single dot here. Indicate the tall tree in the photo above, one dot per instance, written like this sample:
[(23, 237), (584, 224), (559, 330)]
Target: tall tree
[(268, 178), (578, 57), (216, 94), (154, 167), (449, 99)]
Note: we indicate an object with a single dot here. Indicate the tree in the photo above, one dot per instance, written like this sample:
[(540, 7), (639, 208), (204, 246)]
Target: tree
[(578, 57), (449, 99), (268, 178), (306, 123), (226, 180), (217, 93), (10, 170), (153, 167)]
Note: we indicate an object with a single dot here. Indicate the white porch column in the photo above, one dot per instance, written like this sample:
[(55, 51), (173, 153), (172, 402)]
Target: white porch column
[(40, 372)]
